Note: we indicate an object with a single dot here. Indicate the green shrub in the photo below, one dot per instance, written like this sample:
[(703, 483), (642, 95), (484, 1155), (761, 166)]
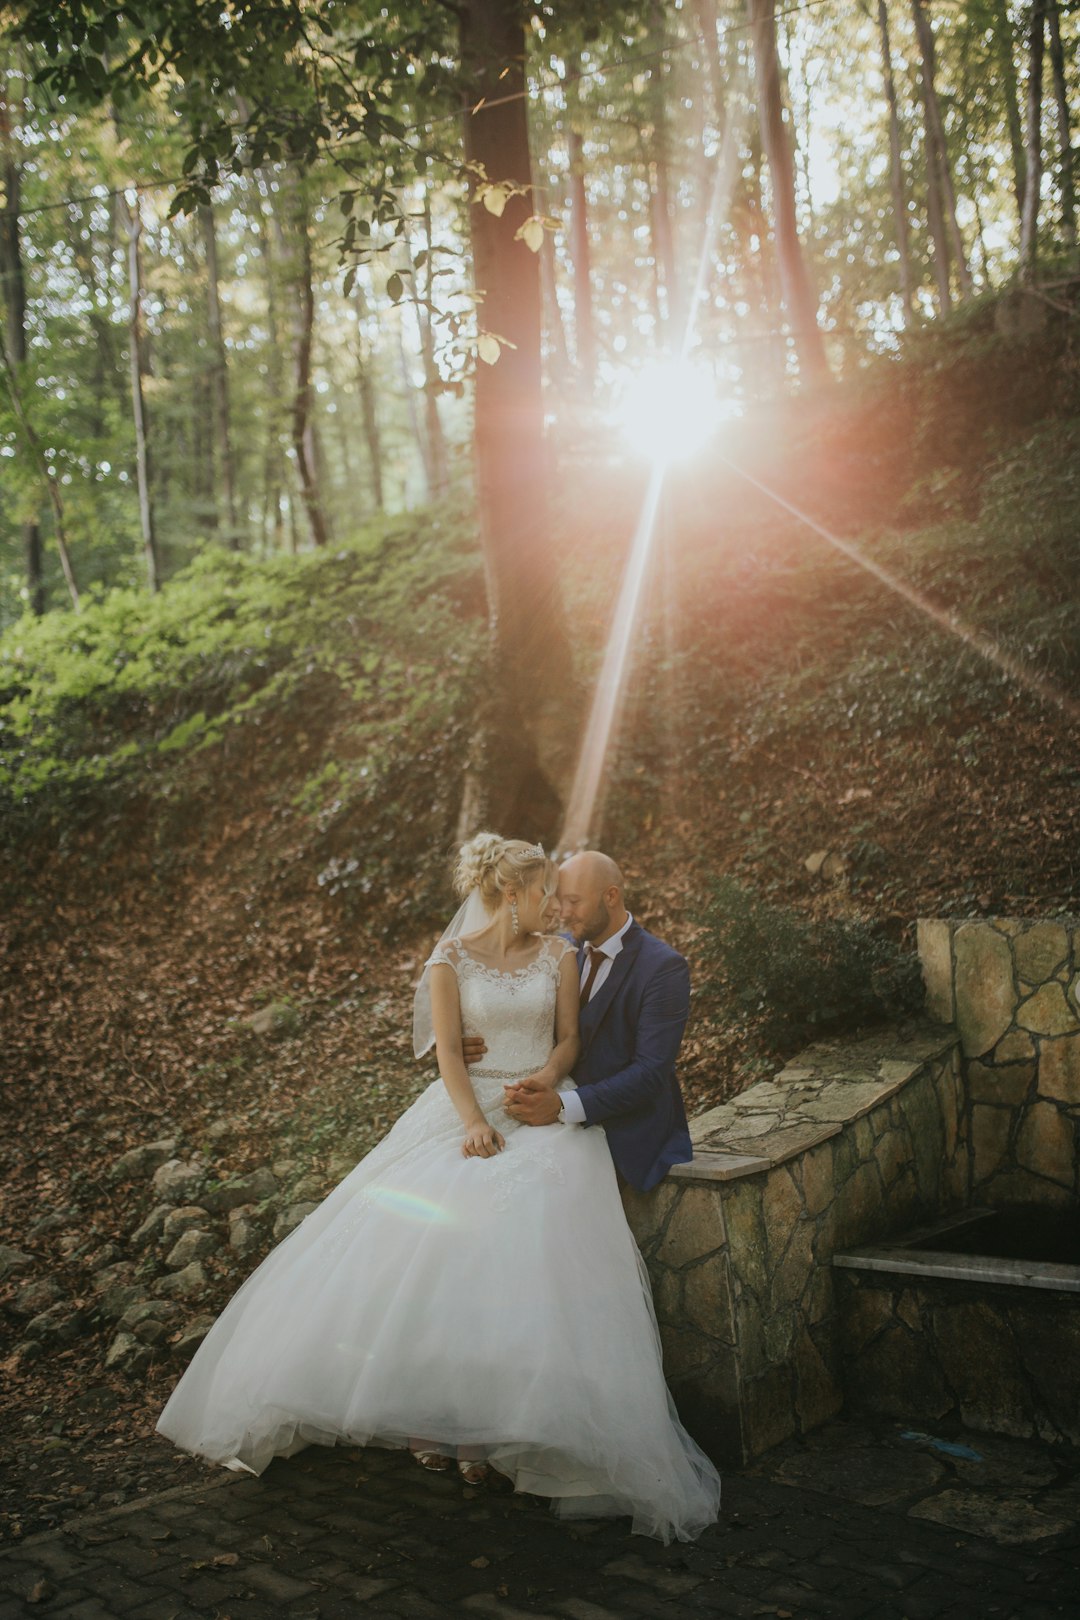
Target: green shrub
[(793, 977)]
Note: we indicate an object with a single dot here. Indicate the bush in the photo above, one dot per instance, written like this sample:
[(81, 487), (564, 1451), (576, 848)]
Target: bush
[(794, 977)]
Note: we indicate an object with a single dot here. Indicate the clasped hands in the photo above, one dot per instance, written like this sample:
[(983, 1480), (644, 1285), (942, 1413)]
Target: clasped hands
[(532, 1101)]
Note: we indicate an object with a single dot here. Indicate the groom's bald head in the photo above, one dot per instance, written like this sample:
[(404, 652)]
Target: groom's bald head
[(591, 896)]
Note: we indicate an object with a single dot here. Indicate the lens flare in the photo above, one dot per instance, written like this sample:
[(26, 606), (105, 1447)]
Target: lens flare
[(410, 1205), (669, 411)]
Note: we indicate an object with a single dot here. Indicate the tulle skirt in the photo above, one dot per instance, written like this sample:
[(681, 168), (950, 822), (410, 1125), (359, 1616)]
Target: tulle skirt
[(494, 1308)]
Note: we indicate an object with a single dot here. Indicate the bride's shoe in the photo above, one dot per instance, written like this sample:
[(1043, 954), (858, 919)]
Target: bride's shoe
[(434, 1461), (473, 1473)]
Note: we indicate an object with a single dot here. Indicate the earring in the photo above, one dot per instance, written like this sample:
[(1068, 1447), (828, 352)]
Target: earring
[(513, 913)]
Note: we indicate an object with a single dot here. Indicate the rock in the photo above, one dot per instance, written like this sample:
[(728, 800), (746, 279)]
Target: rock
[(35, 1297), (117, 1299), (989, 1139), (1015, 1048), (53, 1222), (934, 940), (193, 1245), (152, 1227), (313, 1185), (276, 1021), (151, 1320), (1059, 1069), (128, 1354), (1047, 1143), (1038, 951), (11, 1261), (284, 1168), (105, 1256), (1047, 1012), (245, 1235), (139, 1161), (985, 995), (815, 861), (60, 1324), (250, 1189), (179, 1221), (150, 1310), (110, 1276), (290, 1219), (220, 1128), (193, 1335), (190, 1283), (176, 1179)]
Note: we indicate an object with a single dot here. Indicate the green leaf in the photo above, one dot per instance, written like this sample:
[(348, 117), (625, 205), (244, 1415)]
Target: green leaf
[(394, 287)]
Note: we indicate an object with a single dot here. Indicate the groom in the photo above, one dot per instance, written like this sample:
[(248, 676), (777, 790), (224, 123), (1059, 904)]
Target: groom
[(635, 998)]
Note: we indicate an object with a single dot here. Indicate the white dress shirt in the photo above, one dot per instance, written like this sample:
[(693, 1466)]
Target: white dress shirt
[(573, 1109)]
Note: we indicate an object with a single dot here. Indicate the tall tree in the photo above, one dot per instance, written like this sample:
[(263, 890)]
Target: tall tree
[(580, 249), (13, 284), (1064, 122), (219, 375), (896, 165), (303, 340), (1005, 48), (524, 743), (137, 364), (799, 295), (1029, 224), (938, 166)]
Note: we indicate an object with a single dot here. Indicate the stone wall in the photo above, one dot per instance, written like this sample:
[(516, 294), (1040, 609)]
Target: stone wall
[(852, 1141), (1013, 991), (923, 1349)]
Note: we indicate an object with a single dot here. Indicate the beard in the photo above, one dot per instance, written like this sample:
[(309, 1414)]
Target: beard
[(596, 923)]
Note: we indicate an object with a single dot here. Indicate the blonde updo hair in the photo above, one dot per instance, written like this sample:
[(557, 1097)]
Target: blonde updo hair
[(490, 863)]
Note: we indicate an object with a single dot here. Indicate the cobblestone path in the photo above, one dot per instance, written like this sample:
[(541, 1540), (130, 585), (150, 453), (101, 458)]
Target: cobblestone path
[(335, 1534)]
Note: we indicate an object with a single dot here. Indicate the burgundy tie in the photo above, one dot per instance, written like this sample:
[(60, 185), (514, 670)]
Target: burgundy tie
[(596, 957)]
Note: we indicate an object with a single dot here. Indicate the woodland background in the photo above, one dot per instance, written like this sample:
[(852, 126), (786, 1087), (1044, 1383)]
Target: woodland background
[(314, 505)]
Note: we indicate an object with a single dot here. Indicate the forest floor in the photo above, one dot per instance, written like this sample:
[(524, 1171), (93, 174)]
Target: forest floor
[(767, 732)]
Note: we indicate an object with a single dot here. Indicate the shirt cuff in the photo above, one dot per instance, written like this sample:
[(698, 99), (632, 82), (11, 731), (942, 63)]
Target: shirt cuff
[(573, 1111)]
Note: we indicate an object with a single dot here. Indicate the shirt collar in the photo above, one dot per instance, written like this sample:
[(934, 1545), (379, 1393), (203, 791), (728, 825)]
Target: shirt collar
[(611, 947)]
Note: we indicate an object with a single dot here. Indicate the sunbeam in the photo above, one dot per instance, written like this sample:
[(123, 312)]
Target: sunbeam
[(984, 645), (596, 742)]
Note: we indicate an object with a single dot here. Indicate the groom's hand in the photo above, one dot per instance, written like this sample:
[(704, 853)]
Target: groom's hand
[(533, 1101), (473, 1048)]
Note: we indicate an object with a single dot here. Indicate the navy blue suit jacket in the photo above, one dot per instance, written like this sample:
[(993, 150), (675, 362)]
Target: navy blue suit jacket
[(630, 1035)]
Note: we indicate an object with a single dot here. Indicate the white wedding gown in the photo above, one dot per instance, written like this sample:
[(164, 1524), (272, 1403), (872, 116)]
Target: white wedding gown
[(496, 1305)]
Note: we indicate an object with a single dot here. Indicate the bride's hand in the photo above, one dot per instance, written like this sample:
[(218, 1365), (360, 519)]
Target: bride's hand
[(482, 1141)]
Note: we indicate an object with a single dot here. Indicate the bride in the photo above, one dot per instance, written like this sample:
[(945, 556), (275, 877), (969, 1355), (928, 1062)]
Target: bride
[(471, 1289)]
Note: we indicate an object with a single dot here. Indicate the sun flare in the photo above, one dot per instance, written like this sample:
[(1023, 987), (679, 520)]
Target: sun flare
[(668, 411)]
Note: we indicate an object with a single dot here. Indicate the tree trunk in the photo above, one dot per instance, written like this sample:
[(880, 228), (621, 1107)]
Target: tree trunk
[(432, 438), (366, 380), (937, 149), (138, 404), (799, 295), (419, 437), (658, 144), (510, 781), (13, 283), (1029, 225), (1003, 44), (303, 332), (580, 252), (553, 321), (219, 377), (273, 472), (705, 17), (896, 167), (1061, 98)]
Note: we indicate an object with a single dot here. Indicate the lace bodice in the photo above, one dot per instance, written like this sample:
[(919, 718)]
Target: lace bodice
[(514, 1011)]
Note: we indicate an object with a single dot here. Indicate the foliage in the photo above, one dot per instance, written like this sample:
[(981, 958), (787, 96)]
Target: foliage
[(794, 977), (373, 644)]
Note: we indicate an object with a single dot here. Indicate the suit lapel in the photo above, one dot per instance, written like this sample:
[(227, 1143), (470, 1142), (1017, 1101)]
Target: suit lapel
[(592, 1014)]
